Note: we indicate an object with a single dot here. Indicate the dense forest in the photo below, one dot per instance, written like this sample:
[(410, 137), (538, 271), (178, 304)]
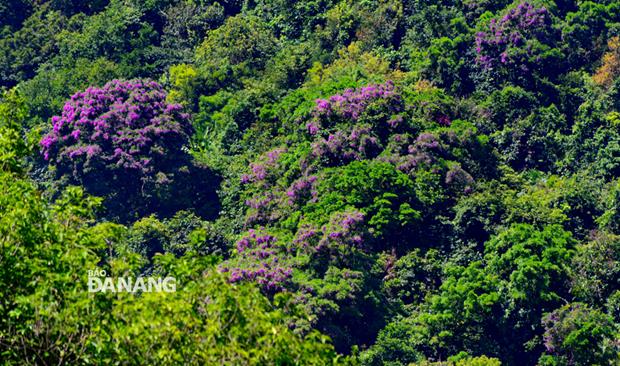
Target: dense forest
[(329, 182)]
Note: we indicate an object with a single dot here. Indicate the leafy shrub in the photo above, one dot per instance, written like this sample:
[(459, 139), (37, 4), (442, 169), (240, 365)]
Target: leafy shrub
[(520, 42), (576, 334)]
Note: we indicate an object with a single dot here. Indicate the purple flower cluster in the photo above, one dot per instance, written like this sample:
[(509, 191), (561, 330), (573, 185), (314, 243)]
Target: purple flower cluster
[(306, 235), (301, 189), (264, 173), (444, 120), (352, 103), (263, 207), (313, 127), (259, 260), (408, 155), (336, 142), (260, 201), (343, 229), (395, 121), (123, 125), (261, 169), (335, 148), (425, 142), (459, 178), (562, 323), (341, 147), (511, 32)]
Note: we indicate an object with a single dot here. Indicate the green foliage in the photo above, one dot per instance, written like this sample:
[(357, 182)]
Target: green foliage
[(13, 13), (596, 269), (534, 142), (384, 194), (507, 106), (23, 51), (412, 277), (47, 314), (576, 334), (47, 92), (208, 322), (422, 182), (490, 306), (15, 143), (585, 29), (243, 44), (116, 33), (182, 233), (610, 219), (186, 23), (594, 142)]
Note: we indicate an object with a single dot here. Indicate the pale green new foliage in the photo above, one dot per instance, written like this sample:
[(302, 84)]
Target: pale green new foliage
[(47, 314), (207, 321), (14, 143)]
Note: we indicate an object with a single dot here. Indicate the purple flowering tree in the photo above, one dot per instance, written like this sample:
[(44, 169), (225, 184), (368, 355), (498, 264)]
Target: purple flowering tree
[(269, 260), (122, 140), (125, 125), (359, 124), (351, 126), (353, 103), (343, 233), (341, 147), (260, 258), (516, 41), (319, 211), (577, 334)]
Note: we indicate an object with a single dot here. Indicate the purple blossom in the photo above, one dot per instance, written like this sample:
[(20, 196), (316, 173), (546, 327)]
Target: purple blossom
[(259, 261), (120, 125), (395, 121), (312, 127), (245, 178), (352, 103), (457, 176), (343, 229), (510, 32), (273, 155), (304, 236), (323, 106), (259, 171), (444, 120), (426, 141), (264, 167), (340, 147)]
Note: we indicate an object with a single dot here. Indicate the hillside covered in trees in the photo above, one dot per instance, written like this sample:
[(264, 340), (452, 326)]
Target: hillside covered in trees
[(374, 182)]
